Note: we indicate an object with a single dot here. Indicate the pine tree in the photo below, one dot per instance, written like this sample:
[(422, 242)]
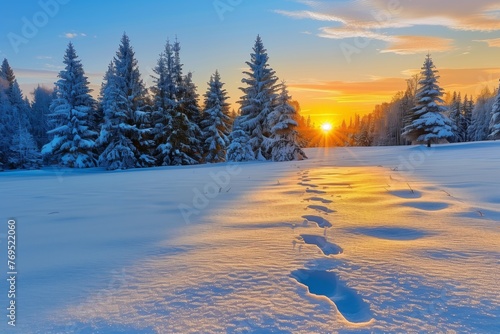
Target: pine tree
[(14, 117), (494, 131), (164, 104), (126, 129), (282, 120), (25, 153), (177, 114), (466, 118), (428, 124), (258, 101), (239, 149), (481, 116), (216, 121), (5, 120), (188, 106), (73, 142), (5, 135), (40, 110), (456, 116)]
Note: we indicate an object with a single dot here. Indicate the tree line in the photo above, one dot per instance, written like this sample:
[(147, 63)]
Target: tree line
[(131, 125), (424, 114)]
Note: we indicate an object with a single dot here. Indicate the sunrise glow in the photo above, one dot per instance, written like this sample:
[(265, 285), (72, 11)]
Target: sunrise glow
[(326, 127)]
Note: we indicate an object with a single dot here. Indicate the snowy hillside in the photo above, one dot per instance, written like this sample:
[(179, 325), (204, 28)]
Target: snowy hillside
[(389, 239)]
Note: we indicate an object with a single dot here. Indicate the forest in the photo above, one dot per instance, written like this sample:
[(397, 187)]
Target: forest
[(463, 118), (131, 125)]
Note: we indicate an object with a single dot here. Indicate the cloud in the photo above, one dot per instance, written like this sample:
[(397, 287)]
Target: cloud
[(345, 32), (72, 35), (492, 43), (310, 15), (22, 73), (378, 86), (418, 44), (382, 19)]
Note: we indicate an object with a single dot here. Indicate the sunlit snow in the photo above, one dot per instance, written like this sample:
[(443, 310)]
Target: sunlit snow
[(380, 239)]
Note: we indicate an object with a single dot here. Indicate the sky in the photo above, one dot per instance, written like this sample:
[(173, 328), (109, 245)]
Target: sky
[(338, 57)]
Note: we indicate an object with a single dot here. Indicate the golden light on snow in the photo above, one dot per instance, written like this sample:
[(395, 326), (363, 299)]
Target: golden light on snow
[(326, 127)]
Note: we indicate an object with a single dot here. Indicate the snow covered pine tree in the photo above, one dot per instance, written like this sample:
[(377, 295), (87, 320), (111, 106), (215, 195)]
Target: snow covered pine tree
[(73, 141), (125, 131), (427, 122), (176, 113), (282, 120), (216, 121), (258, 101), (239, 149), (495, 119), (17, 145)]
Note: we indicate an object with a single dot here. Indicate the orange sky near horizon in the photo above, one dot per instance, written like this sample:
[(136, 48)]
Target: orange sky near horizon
[(336, 100)]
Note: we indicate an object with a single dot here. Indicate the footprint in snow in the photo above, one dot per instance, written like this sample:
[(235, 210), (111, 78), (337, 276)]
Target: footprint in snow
[(427, 206), (405, 193), (319, 199), (307, 185), (314, 191), (347, 300), (320, 221), (320, 208), (337, 184), (391, 233), (326, 247)]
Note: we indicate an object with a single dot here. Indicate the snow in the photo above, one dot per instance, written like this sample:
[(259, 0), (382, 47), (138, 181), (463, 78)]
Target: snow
[(379, 239)]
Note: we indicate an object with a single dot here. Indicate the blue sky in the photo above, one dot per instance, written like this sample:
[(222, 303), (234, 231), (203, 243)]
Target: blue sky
[(338, 57)]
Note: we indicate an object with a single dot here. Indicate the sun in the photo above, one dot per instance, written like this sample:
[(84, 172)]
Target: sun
[(326, 127)]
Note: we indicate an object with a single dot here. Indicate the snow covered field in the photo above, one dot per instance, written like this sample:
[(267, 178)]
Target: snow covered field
[(380, 239)]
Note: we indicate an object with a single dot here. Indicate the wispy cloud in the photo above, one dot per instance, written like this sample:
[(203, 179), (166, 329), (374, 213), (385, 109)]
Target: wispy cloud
[(72, 35), (380, 86), (306, 14), (493, 42), (346, 32), (381, 20), (23, 73), (418, 44)]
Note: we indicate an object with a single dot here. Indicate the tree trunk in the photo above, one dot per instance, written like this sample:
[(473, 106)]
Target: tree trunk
[(429, 143)]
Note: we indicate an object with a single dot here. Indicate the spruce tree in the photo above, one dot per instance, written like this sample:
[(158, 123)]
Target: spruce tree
[(164, 104), (125, 133), (495, 119), (456, 116), (427, 122), (239, 149), (25, 153), (176, 114), (15, 121), (40, 110), (258, 101), (481, 115), (73, 141), (282, 120), (188, 106), (5, 121), (466, 118), (216, 121)]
